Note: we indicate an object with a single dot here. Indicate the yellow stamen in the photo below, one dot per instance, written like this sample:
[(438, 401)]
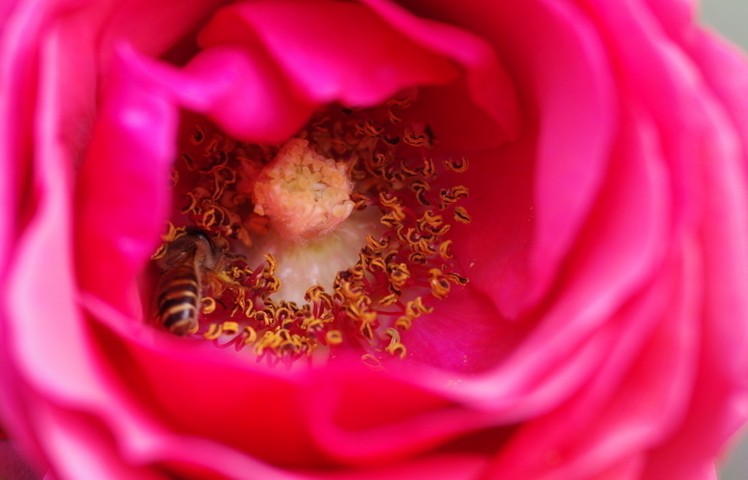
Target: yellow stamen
[(338, 236)]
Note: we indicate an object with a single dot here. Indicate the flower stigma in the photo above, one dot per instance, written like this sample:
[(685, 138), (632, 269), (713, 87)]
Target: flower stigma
[(337, 239), (304, 194)]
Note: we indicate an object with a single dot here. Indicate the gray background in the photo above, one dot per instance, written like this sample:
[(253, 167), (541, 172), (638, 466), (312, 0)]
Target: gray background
[(730, 17)]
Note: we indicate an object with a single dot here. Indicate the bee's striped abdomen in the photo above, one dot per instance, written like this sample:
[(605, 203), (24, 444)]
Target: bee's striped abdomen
[(179, 299), (179, 290)]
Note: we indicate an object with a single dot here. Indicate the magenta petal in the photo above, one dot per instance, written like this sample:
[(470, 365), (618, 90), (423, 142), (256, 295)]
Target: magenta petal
[(331, 50), (676, 14), (241, 90), (43, 262), (634, 398), (122, 195), (707, 161), (724, 72), (631, 247), (149, 26), (68, 437), (434, 467), (33, 331), (494, 250), (466, 334), (576, 121), (329, 401), (401, 419), (161, 368), (561, 72), (628, 219), (16, 107), (720, 402), (13, 465), (487, 82)]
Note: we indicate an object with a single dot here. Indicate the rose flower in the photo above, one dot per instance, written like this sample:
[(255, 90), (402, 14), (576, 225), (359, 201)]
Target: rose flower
[(331, 239)]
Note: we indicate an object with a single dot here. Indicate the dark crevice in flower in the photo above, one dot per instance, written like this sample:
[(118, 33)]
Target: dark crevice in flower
[(339, 238), (485, 440)]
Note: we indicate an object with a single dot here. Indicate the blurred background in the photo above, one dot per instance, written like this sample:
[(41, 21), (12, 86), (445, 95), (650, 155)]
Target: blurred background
[(730, 18)]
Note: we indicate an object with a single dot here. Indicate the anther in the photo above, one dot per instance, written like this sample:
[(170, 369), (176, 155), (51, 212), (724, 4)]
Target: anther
[(462, 215)]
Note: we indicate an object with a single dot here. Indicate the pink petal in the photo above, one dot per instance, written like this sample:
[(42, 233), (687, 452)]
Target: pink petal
[(576, 121), (494, 254), (487, 83), (16, 97), (13, 465), (465, 334), (312, 42), (122, 197), (149, 428), (241, 91), (69, 438), (328, 400), (720, 403), (636, 396), (675, 13), (565, 367), (706, 158), (437, 467), (34, 330), (153, 28), (628, 219), (559, 64)]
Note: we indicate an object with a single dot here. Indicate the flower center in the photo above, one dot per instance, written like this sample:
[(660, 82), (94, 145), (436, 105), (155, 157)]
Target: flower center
[(337, 239), (304, 194)]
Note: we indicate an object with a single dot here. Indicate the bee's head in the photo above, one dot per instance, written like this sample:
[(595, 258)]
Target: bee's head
[(194, 243), (205, 247)]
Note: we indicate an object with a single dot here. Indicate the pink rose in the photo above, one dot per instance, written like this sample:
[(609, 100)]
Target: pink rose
[(602, 334)]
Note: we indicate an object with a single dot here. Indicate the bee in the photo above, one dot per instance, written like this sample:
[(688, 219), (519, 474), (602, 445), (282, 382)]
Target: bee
[(178, 292)]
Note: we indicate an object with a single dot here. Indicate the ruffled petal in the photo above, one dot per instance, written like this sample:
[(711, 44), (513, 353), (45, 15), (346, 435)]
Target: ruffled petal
[(720, 402), (401, 419), (489, 115), (13, 465), (560, 68), (619, 366), (122, 196), (637, 394), (242, 91), (312, 41)]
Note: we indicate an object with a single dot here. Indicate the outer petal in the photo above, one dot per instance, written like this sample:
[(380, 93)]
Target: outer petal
[(34, 330), (637, 395), (545, 366), (547, 373), (17, 87), (465, 335), (16, 97), (724, 387)]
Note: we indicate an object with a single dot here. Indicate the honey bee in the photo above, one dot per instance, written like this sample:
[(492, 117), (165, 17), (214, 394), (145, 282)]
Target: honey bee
[(179, 289)]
